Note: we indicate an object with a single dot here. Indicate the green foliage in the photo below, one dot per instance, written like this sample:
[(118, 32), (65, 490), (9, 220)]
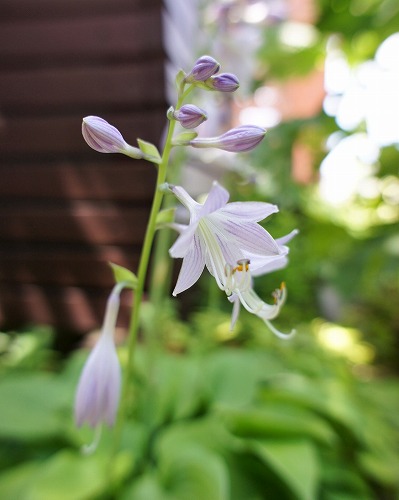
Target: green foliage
[(223, 422)]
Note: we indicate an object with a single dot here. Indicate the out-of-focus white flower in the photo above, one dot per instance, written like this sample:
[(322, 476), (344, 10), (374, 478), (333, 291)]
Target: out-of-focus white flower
[(98, 391)]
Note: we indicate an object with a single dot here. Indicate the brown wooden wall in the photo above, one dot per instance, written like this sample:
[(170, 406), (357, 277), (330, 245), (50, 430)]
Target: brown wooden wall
[(66, 210)]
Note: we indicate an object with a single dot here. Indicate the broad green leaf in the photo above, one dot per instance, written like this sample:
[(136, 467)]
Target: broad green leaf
[(149, 150), (122, 274), (69, 474), (276, 421), (294, 461), (175, 389), (32, 405), (165, 217), (233, 376), (194, 472), (208, 431), (15, 483), (145, 487)]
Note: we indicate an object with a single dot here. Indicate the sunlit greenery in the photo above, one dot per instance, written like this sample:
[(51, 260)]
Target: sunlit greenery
[(217, 414)]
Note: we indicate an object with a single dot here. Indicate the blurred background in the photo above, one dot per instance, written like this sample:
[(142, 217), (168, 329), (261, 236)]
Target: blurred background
[(215, 414)]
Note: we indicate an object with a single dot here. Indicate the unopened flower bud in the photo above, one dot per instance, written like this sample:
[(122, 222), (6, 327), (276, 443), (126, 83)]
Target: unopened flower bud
[(236, 140), (203, 69), (98, 391), (190, 116), (105, 138), (225, 82)]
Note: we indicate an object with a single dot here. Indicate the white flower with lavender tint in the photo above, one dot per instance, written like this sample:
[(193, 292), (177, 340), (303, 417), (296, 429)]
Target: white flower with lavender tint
[(239, 290), (220, 233), (98, 391), (236, 140)]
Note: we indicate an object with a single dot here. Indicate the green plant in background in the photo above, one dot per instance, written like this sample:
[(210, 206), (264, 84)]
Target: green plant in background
[(214, 413), (236, 417)]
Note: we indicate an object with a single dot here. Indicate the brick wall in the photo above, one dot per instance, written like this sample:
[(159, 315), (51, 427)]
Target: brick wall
[(66, 210)]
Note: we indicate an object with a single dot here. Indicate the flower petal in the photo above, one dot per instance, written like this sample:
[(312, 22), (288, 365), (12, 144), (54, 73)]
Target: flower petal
[(192, 266), (287, 238), (249, 210), (183, 244), (186, 200), (216, 199), (236, 309), (259, 268), (248, 236)]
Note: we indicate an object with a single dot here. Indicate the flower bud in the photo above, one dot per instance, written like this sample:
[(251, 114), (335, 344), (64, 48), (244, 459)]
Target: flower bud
[(225, 82), (98, 391), (190, 116), (105, 138), (203, 69), (236, 140)]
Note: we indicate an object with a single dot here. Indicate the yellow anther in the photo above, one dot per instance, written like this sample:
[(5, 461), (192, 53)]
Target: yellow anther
[(242, 264)]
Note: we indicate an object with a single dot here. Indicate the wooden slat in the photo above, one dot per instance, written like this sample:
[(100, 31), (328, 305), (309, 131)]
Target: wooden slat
[(75, 222), (51, 135), (68, 308), (60, 89), (31, 9), (82, 266), (90, 39), (118, 179)]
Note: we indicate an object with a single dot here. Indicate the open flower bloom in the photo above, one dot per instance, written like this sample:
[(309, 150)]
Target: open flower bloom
[(224, 237), (220, 233), (98, 391), (240, 291)]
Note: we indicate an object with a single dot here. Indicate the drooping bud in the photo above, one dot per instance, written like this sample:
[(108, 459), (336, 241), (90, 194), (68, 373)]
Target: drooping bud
[(105, 138), (225, 82), (190, 116), (98, 391), (236, 140), (204, 68)]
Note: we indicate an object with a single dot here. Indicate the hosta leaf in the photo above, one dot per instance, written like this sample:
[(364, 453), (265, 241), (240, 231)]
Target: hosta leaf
[(294, 461)]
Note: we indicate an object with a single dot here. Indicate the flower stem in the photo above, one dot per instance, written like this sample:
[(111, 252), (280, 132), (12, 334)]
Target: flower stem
[(141, 278)]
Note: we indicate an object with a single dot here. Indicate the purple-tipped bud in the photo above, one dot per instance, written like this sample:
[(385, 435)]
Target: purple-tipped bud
[(105, 138), (204, 68), (190, 116), (236, 140), (225, 82), (97, 395)]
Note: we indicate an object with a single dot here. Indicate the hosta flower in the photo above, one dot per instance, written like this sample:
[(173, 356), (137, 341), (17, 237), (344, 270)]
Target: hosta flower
[(224, 82), (105, 138), (190, 116), (240, 291), (97, 395), (220, 233), (236, 140), (204, 68)]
